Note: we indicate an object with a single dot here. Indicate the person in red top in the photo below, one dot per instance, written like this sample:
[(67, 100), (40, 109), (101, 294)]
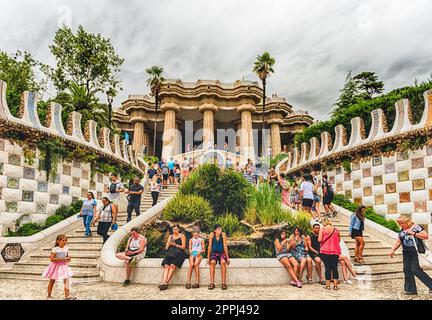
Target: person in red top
[(330, 250)]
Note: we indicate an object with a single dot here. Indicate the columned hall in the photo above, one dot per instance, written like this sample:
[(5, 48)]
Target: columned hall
[(209, 115)]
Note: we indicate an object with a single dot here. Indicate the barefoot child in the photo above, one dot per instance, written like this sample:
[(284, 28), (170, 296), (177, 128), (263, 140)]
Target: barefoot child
[(58, 268), (196, 248)]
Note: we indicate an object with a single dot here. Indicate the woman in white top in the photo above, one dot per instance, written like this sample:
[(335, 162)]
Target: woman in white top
[(135, 252), (196, 248), (155, 190)]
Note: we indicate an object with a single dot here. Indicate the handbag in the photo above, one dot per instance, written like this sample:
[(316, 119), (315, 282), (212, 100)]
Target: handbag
[(172, 252), (425, 259)]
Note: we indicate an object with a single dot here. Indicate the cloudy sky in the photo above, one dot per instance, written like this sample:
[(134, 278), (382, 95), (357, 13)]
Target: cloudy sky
[(315, 42)]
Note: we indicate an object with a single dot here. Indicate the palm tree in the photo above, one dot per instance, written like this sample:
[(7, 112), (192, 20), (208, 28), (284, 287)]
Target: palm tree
[(154, 82), (263, 67)]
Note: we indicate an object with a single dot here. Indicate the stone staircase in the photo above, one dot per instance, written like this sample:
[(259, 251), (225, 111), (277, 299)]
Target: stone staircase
[(84, 252), (377, 263)]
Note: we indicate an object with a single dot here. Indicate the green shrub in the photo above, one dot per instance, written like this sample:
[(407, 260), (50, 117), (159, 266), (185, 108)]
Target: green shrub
[(302, 219), (26, 230), (265, 203), (69, 211), (370, 213), (213, 184), (373, 216), (274, 161), (52, 220), (229, 223), (188, 208)]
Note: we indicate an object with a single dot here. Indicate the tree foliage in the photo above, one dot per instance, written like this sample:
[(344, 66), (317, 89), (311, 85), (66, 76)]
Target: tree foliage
[(86, 59), (363, 110), (19, 71)]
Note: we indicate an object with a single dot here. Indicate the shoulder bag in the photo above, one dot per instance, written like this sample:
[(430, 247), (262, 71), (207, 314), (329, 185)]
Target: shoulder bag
[(425, 259)]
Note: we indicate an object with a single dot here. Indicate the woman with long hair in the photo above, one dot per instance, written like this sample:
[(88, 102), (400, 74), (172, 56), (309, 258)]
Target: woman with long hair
[(283, 247), (175, 256), (356, 228), (88, 211), (299, 253), (330, 250)]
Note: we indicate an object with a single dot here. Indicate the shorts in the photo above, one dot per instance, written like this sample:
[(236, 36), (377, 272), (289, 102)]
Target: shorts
[(313, 255), (307, 203), (217, 256), (138, 257), (165, 177), (283, 255), (328, 198), (171, 173), (317, 198), (356, 233)]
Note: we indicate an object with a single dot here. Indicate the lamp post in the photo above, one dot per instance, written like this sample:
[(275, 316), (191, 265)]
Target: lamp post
[(110, 98)]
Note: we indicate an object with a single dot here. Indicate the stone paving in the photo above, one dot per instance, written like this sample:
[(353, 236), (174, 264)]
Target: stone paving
[(11, 289)]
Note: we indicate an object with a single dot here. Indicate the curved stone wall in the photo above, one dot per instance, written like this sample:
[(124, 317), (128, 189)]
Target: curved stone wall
[(24, 188), (392, 183)]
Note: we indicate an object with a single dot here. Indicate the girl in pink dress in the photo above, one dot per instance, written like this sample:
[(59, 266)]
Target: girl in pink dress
[(58, 268)]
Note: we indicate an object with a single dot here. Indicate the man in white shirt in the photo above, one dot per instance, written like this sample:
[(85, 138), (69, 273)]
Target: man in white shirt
[(114, 189), (306, 195)]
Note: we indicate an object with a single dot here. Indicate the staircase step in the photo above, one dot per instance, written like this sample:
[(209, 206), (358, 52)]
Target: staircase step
[(73, 252), (37, 274), (36, 265), (381, 251), (369, 245)]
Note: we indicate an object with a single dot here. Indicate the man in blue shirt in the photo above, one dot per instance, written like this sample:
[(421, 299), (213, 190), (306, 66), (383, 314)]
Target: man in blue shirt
[(171, 165), (151, 172)]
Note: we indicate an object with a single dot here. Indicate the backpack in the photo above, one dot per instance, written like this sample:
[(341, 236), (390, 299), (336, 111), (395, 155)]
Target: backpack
[(113, 188)]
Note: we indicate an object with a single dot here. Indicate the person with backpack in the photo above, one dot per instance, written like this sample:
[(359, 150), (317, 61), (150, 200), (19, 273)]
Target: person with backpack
[(107, 216), (328, 196), (411, 237), (114, 189)]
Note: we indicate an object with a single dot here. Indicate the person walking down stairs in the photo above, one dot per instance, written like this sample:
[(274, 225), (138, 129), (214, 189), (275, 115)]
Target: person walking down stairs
[(411, 239), (356, 232), (88, 211), (155, 190), (134, 193), (106, 217)]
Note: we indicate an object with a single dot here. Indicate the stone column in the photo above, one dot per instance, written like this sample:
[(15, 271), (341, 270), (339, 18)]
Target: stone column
[(169, 134), (246, 132), (208, 111), (138, 121), (275, 138)]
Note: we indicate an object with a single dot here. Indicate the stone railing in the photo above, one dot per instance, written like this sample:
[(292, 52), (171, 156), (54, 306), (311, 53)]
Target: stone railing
[(24, 188), (99, 142), (201, 156), (319, 151), (393, 182)]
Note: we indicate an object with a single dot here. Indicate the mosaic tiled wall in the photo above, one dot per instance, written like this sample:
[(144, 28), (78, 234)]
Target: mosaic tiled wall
[(24, 189), (400, 184)]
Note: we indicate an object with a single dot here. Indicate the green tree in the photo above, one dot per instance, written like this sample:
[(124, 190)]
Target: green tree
[(86, 65), (19, 72), (349, 95), (154, 81), (263, 67), (369, 84)]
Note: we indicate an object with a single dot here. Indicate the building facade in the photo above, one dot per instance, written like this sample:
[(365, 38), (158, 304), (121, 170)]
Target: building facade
[(200, 114)]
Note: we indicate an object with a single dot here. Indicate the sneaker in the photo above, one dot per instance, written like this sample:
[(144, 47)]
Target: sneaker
[(348, 282), (70, 298), (410, 293), (126, 283), (299, 284)]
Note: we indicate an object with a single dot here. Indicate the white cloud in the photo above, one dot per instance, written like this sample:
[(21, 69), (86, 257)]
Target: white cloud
[(315, 43)]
